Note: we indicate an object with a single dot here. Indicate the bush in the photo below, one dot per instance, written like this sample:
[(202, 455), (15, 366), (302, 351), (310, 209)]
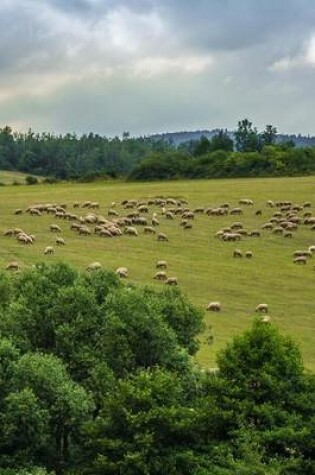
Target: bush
[(31, 180)]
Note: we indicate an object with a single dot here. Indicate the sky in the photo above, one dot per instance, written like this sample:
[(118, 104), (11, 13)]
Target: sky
[(150, 66)]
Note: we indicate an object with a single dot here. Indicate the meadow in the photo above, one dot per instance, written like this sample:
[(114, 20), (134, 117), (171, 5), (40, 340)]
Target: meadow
[(9, 178), (203, 264)]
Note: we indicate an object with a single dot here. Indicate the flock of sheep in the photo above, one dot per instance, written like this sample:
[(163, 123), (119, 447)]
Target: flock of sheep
[(131, 217)]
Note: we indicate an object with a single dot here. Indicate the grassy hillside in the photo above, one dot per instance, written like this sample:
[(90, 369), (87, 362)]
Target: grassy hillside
[(8, 178), (204, 265)]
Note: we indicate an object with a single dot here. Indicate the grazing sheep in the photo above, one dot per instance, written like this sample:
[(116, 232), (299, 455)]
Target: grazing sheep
[(307, 204), (161, 265), (278, 230), (248, 254), (270, 203), (35, 212), (76, 204), (258, 212), (13, 266), (161, 275), (162, 237), (311, 249), (237, 253), (237, 225), (265, 319), (300, 260), (18, 211), (86, 204), (60, 241), (84, 230), (149, 230), (130, 231), (94, 266), (287, 235), (236, 211), (187, 226), (9, 232), (112, 212), (171, 281), (49, 250), (122, 272), (54, 228), (262, 308), (254, 233), (214, 307)]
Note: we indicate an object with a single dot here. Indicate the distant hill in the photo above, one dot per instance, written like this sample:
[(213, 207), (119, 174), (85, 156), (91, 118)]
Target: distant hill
[(177, 138)]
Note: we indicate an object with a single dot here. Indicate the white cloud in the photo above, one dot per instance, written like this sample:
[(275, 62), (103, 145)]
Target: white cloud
[(160, 66)]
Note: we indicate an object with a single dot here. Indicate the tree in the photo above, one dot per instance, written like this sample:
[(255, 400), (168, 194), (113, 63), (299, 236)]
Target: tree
[(222, 141), (268, 137), (246, 137)]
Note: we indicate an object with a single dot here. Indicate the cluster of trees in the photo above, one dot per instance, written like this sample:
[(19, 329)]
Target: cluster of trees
[(72, 157), (92, 156), (250, 154), (97, 377)]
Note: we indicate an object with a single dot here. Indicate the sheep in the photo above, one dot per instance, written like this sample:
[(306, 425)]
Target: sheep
[(161, 275), (54, 228), (214, 307), (270, 203), (86, 204), (237, 253), (162, 237), (287, 235), (258, 212), (254, 233), (187, 226), (237, 225), (84, 230), (155, 221), (300, 260), (262, 308), (277, 230), (35, 212), (48, 250), (112, 212), (18, 211), (9, 232), (13, 266), (246, 202), (143, 209), (169, 215), (149, 230), (130, 231), (94, 266), (76, 204), (105, 233), (122, 272), (236, 211), (307, 204), (171, 281), (94, 205), (161, 265), (60, 241), (311, 249), (265, 319), (248, 254)]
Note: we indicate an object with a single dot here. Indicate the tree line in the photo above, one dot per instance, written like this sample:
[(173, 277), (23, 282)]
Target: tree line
[(91, 156), (98, 377)]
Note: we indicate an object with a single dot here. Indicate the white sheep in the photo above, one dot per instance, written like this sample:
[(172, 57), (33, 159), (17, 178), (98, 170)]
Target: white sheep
[(262, 308), (171, 281), (13, 266), (94, 266), (122, 272), (49, 250), (214, 307)]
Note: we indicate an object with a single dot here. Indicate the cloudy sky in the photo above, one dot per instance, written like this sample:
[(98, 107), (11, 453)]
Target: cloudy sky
[(148, 66)]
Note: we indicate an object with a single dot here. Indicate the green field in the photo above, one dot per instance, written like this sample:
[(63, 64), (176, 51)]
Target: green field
[(203, 264), (8, 178)]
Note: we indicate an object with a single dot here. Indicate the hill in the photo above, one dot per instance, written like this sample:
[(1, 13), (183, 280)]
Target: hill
[(178, 138), (203, 264)]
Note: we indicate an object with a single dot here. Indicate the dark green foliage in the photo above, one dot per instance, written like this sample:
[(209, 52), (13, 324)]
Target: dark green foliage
[(31, 180), (96, 378)]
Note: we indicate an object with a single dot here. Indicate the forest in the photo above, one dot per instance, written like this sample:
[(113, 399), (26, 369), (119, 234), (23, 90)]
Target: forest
[(91, 156), (98, 377)]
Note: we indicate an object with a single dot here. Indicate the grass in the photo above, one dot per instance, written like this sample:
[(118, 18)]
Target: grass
[(204, 265), (9, 177)]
